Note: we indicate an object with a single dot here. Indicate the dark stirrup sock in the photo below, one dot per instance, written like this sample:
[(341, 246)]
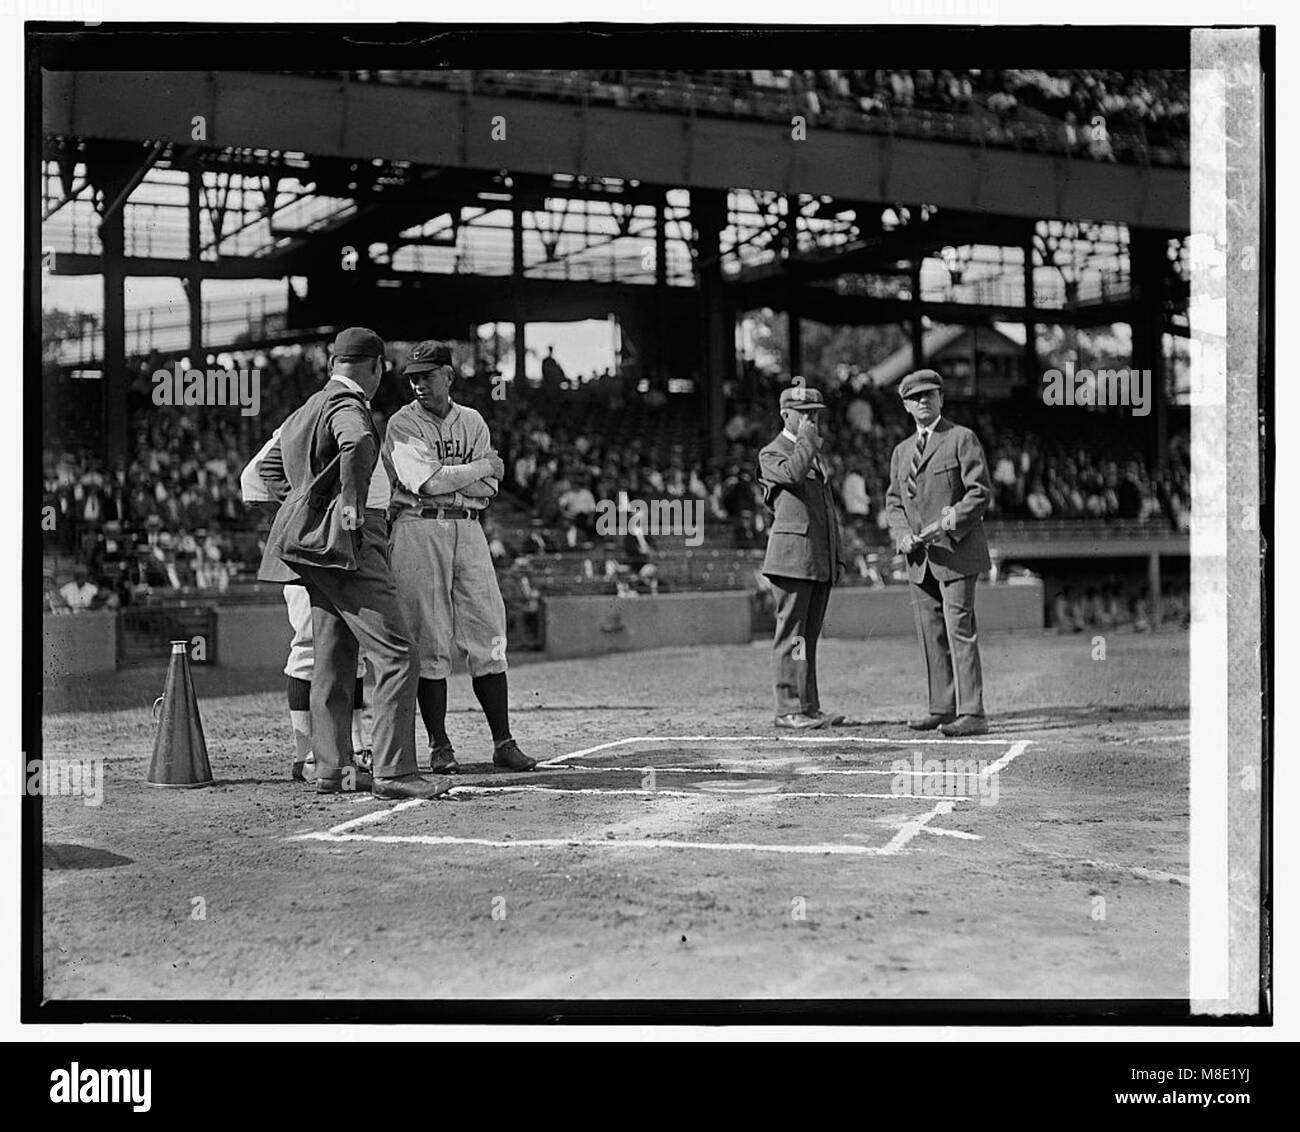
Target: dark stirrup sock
[(359, 694), (494, 697), (432, 698)]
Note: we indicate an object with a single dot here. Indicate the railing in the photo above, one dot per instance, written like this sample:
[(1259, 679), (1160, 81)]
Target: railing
[(166, 329), (735, 94), (1108, 530)]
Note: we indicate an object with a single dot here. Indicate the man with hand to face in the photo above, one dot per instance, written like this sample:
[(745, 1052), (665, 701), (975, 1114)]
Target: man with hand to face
[(939, 489), (805, 555)]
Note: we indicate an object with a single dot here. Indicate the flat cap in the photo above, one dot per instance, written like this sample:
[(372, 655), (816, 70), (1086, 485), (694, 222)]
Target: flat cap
[(802, 397), (427, 355), (358, 342), (919, 382)]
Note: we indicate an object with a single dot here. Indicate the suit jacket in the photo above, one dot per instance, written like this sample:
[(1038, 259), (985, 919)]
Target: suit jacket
[(321, 469), (953, 473), (805, 538)]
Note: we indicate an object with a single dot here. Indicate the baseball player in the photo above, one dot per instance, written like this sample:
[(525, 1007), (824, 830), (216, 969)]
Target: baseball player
[(299, 665), (443, 471)]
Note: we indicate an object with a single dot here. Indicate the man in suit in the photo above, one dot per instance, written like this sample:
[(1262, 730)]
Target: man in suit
[(939, 489), (325, 537), (804, 556)]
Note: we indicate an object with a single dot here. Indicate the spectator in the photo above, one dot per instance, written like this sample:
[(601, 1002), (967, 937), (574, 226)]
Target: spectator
[(578, 509), (552, 374), (1040, 507), (80, 593), (52, 598), (857, 501), (1067, 614)]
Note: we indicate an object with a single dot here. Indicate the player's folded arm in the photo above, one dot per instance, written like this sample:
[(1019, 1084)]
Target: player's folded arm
[(420, 472), (485, 488)]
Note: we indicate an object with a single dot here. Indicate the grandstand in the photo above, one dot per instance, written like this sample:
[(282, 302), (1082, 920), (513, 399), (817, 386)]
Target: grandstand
[(1006, 218)]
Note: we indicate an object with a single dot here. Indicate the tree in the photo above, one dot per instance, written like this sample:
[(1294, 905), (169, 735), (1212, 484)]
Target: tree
[(59, 326)]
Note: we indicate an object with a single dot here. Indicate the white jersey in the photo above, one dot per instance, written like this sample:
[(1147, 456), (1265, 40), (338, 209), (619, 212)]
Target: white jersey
[(418, 444)]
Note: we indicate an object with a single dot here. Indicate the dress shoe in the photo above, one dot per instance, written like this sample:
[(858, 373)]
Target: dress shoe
[(508, 756), (834, 719), (442, 760), (966, 725), (929, 722), (409, 786), (353, 780), (800, 722)]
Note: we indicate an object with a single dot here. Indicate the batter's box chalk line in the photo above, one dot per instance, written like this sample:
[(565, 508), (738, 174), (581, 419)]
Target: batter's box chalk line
[(351, 830)]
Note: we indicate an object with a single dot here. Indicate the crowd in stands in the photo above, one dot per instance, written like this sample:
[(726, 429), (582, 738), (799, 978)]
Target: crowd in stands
[(562, 471), (1102, 114), (170, 519), (1109, 607)]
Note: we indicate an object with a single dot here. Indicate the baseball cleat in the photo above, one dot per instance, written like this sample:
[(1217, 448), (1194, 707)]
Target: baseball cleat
[(298, 769), (409, 786), (966, 725), (799, 722), (442, 760), (510, 757)]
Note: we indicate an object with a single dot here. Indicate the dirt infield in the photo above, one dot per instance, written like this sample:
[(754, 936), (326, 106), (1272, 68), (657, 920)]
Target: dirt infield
[(673, 846)]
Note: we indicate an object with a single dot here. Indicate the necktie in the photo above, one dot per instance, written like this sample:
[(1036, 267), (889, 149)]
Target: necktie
[(916, 462)]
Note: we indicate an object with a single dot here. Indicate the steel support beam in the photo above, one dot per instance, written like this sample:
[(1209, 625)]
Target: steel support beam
[(327, 118), (718, 353)]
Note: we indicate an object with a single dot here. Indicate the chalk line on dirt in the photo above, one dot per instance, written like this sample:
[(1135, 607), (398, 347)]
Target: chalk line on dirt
[(910, 828), (647, 793), (902, 741), (600, 843)]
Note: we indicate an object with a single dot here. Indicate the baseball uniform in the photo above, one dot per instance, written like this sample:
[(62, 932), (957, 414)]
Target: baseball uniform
[(446, 581), (440, 462)]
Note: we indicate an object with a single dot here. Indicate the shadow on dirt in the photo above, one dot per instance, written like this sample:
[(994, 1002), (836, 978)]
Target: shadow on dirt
[(68, 856)]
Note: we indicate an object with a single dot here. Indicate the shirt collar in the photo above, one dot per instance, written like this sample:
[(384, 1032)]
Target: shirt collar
[(928, 432), (789, 435), (451, 412), (348, 383)]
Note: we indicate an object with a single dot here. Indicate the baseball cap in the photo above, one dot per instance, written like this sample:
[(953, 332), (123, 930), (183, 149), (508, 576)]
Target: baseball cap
[(802, 397), (428, 355), (919, 382), (358, 342)]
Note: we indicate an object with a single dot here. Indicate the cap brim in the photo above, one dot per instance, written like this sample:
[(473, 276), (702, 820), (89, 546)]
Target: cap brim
[(425, 367)]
